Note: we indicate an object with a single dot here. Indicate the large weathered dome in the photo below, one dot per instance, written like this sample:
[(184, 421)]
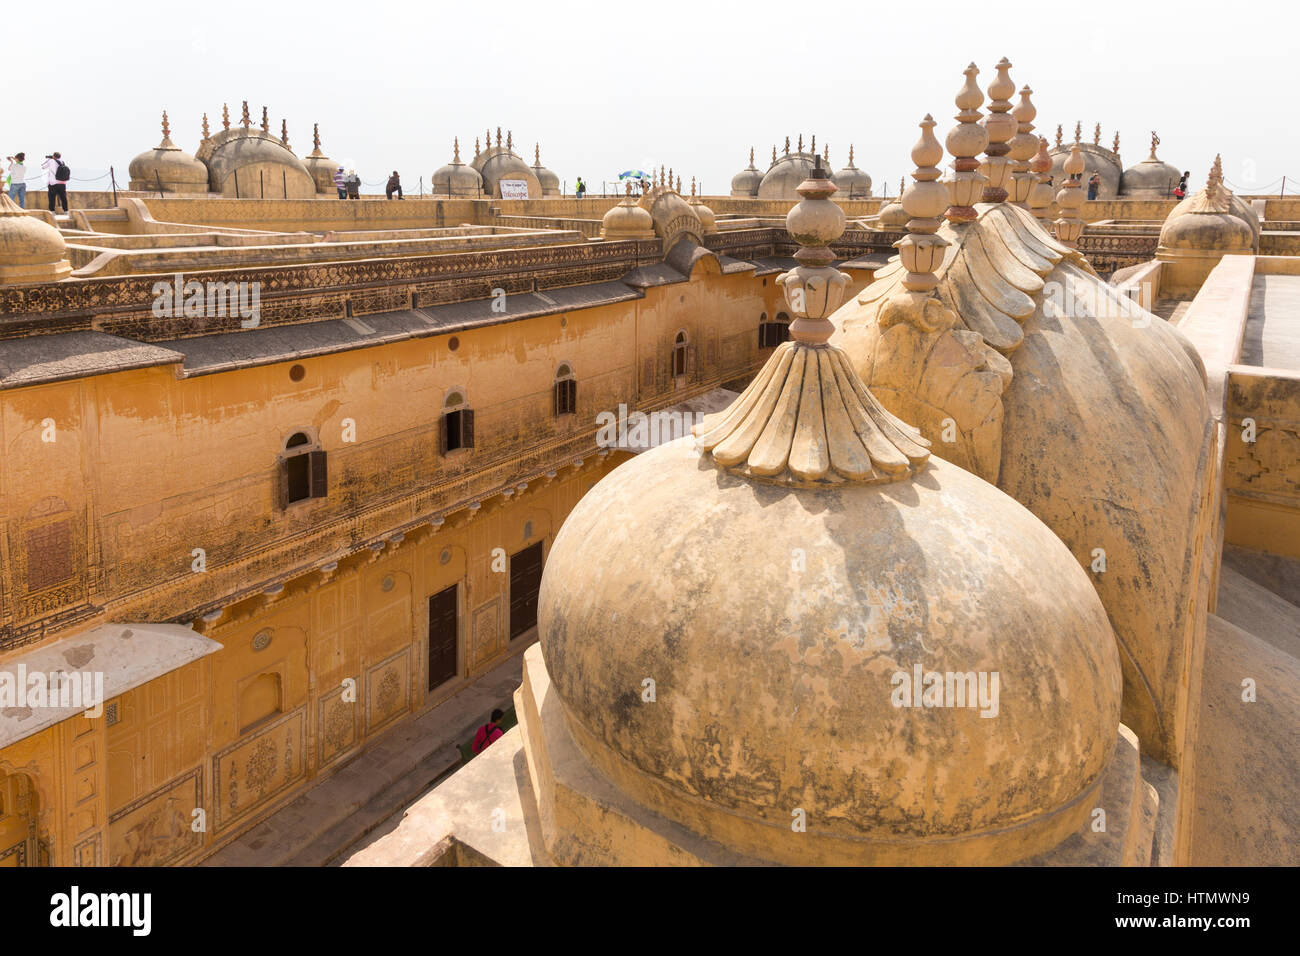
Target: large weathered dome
[(784, 176), (786, 583), (496, 163), (252, 163), (1150, 179), (1097, 159)]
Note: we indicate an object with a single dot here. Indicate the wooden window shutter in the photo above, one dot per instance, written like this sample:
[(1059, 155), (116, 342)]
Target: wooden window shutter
[(442, 434), (467, 428), (573, 395), (283, 489), (557, 399), (319, 475)]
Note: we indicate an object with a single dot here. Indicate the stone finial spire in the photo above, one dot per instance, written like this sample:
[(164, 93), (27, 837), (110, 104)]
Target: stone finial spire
[(1115, 146), (902, 184), (1155, 141), (315, 137), (807, 419), (510, 140), (921, 250), (774, 155), (537, 154), (1070, 226), (487, 138), (661, 174), (284, 132), (1001, 127), (965, 141), (1040, 196), (1023, 147), (225, 116), (787, 145), (851, 156), (1059, 134), (692, 187), (1215, 179), (679, 184), (244, 120), (670, 177), (166, 134), (206, 136), (266, 121), (751, 156), (813, 148), (498, 135), (1078, 131), (1096, 135), (800, 142), (476, 146), (455, 150)]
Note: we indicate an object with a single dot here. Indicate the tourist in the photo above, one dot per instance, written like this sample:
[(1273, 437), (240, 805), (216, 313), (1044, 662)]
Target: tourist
[(18, 178), (57, 175), (1094, 185), (341, 182), (353, 184), (1180, 191), (581, 188), (489, 733), (394, 186)]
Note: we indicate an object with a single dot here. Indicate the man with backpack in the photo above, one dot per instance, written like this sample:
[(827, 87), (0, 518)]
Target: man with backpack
[(394, 186), (1094, 186), (581, 189), (489, 733), (57, 175)]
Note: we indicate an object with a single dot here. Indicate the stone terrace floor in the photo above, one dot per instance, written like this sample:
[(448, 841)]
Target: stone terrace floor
[(1272, 338)]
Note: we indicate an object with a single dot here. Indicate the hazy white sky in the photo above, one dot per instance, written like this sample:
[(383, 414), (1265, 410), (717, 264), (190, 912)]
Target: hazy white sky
[(691, 85)]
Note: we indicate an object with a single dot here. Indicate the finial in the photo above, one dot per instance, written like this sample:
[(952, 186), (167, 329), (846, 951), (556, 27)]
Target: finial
[(1070, 226), (166, 128), (670, 177), (902, 182), (661, 174), (773, 155), (487, 139), (751, 155), (787, 145), (1096, 135), (1155, 141), (807, 419), (510, 140), (205, 127), (284, 132), (826, 154), (679, 184), (1023, 147), (1078, 131), (537, 154), (225, 116), (315, 137), (965, 141), (800, 143), (692, 187), (455, 150), (1215, 179), (813, 148), (1001, 127), (1040, 196), (244, 120), (476, 146), (1058, 134), (266, 122), (851, 166), (498, 135), (1115, 148), (921, 250)]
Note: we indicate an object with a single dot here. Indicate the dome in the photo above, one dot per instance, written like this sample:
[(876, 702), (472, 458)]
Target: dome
[(627, 220), (549, 182), (496, 163), (319, 166), (893, 217), (457, 179), (674, 218), (1201, 201), (783, 178), (1208, 225), (31, 250), (177, 170), (702, 212), (785, 579), (744, 184), (1096, 159), (1150, 179), (248, 163), (853, 182)]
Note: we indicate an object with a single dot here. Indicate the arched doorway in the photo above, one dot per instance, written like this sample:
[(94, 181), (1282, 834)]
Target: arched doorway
[(18, 815)]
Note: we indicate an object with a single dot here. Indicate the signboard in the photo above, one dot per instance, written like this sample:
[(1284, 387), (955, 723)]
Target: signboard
[(513, 188)]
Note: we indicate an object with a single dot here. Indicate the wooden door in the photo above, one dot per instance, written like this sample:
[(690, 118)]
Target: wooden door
[(525, 582), (444, 630), (17, 821)]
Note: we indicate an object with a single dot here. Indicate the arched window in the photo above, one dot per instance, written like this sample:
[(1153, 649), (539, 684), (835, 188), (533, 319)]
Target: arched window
[(260, 700), (457, 422), (772, 333), (681, 356), (566, 391), (303, 472)]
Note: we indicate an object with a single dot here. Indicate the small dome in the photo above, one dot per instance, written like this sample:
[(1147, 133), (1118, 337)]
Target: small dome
[(31, 250), (320, 166), (1211, 220), (176, 169), (702, 212), (457, 179), (627, 220), (549, 182), (1150, 179), (853, 183), (893, 216), (744, 185)]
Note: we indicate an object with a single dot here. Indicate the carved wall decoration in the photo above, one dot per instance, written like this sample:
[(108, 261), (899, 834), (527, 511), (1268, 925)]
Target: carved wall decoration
[(157, 829), (339, 725), (257, 768), (388, 686), (485, 643)]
